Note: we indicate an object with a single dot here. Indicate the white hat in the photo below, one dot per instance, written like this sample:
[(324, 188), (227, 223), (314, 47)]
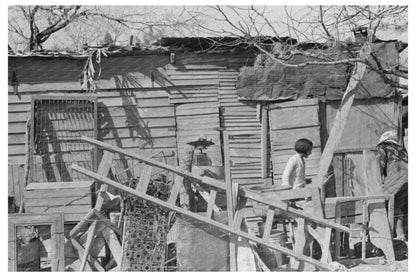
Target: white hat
[(389, 136)]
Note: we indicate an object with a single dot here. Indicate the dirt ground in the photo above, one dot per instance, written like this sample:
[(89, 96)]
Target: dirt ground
[(398, 266)]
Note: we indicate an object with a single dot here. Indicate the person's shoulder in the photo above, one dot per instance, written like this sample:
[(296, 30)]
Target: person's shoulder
[(296, 157)]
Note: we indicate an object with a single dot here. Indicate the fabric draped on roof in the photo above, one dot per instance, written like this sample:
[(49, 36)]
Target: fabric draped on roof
[(275, 81)]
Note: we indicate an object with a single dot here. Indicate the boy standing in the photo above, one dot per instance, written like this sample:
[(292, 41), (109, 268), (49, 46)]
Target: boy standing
[(294, 173)]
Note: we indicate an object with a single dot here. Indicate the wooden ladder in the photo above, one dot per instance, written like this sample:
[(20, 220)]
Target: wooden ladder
[(214, 185)]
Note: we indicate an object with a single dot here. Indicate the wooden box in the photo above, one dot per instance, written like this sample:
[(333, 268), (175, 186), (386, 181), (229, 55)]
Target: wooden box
[(71, 198)]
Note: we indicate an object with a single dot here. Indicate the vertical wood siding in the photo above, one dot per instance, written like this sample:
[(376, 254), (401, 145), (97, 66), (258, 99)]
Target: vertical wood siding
[(240, 119), (290, 121)]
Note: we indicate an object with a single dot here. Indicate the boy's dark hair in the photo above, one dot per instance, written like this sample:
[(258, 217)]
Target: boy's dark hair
[(303, 145)]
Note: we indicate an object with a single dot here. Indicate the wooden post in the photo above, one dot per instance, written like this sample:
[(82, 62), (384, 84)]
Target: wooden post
[(230, 204), (300, 241), (264, 148), (174, 191), (337, 232), (211, 202), (268, 224), (90, 239), (341, 117), (379, 227), (103, 169), (145, 177), (58, 251), (364, 232), (326, 246)]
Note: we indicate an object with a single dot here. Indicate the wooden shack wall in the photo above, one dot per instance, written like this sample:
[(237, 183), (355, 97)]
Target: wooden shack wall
[(242, 122), (142, 121), (143, 102), (290, 121), (368, 119)]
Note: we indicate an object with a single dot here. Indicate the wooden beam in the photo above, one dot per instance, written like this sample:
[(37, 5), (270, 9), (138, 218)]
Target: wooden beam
[(284, 206), (239, 214), (229, 197), (107, 222), (211, 202), (341, 117), (337, 232), (90, 240), (203, 219), (205, 180), (364, 231), (300, 242), (264, 148), (174, 192), (58, 239), (103, 170), (268, 224), (82, 223), (286, 195), (145, 177), (114, 245), (326, 246), (362, 198), (81, 252)]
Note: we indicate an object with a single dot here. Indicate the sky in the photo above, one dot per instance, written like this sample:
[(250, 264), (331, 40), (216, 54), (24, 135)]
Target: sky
[(94, 32)]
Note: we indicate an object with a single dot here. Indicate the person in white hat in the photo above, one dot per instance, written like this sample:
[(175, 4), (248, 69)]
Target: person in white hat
[(393, 160)]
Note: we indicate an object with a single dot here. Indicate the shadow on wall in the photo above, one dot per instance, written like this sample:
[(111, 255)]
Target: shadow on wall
[(138, 128), (46, 137)]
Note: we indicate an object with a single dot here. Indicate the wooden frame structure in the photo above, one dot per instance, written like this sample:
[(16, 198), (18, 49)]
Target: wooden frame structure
[(231, 229), (57, 234)]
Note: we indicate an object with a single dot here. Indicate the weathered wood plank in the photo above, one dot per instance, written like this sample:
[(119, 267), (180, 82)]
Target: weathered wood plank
[(59, 185), (192, 100), (53, 193), (297, 103), (132, 132), (90, 238), (17, 128), (211, 203), (235, 152), (63, 201), (19, 108), (197, 111), (366, 121), (59, 209), (285, 139), (145, 176), (168, 142), (18, 117), (268, 224), (294, 117)]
